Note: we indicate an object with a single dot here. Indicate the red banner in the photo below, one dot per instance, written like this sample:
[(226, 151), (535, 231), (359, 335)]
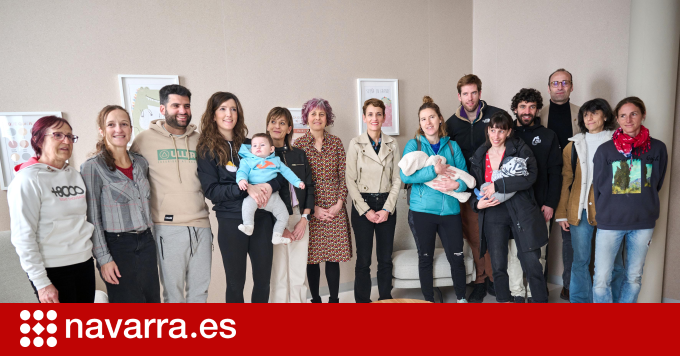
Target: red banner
[(117, 329)]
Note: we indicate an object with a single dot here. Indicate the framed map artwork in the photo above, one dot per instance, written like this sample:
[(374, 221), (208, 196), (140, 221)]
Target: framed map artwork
[(15, 141), (139, 96)]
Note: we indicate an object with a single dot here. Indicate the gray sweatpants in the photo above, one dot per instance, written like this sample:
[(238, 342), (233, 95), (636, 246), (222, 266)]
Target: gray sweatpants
[(275, 206), (184, 258)]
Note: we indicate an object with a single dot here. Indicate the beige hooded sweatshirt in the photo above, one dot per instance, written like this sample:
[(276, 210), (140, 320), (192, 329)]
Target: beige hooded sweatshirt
[(176, 193)]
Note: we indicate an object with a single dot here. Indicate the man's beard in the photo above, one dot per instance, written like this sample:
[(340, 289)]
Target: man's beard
[(473, 109), (521, 122), (172, 121)]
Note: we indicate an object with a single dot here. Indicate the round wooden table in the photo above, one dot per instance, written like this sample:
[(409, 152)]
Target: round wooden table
[(402, 301)]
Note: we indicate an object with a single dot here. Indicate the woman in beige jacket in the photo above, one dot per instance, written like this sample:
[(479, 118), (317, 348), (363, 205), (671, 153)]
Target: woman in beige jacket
[(373, 183), (576, 210)]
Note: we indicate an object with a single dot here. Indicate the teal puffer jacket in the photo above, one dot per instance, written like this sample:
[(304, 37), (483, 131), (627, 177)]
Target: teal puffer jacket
[(423, 198)]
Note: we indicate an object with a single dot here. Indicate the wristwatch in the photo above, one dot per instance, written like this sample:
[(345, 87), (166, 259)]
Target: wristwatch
[(306, 216)]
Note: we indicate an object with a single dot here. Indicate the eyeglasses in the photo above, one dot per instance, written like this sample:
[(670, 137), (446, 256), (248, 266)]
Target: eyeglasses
[(60, 136), (564, 83)]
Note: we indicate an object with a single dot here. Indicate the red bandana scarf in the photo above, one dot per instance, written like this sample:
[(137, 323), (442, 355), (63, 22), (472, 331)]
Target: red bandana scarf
[(626, 144)]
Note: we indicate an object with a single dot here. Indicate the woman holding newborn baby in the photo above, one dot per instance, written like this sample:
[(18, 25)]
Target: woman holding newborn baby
[(373, 183), (505, 170), (431, 210)]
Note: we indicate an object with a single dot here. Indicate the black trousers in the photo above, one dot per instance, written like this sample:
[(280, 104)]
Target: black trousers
[(497, 231), (450, 230), (75, 283), (384, 241), (236, 246), (135, 256)]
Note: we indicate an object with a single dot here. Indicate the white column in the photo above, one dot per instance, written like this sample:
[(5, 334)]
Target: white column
[(652, 76)]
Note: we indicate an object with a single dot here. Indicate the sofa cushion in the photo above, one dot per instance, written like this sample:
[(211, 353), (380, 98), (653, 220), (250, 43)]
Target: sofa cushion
[(406, 263), (14, 284)]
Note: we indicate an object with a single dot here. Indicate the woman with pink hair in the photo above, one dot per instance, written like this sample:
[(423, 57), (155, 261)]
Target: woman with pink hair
[(329, 236)]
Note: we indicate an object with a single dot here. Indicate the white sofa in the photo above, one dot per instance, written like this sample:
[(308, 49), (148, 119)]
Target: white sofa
[(405, 256)]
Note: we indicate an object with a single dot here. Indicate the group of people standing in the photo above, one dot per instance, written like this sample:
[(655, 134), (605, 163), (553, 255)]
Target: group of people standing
[(141, 212)]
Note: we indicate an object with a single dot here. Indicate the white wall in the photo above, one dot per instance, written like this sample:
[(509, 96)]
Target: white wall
[(517, 44)]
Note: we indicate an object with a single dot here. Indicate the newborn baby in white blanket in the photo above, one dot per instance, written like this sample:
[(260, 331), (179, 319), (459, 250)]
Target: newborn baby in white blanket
[(413, 161)]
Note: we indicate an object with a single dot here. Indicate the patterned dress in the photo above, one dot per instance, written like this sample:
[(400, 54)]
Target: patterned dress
[(328, 240)]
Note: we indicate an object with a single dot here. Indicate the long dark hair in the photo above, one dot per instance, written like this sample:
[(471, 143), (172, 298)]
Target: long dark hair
[(101, 144), (211, 140)]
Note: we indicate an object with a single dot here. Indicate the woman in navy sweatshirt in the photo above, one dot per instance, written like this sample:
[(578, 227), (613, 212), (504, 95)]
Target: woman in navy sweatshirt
[(628, 174)]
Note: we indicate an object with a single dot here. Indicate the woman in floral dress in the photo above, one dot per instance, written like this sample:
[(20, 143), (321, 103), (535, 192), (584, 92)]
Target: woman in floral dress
[(329, 236)]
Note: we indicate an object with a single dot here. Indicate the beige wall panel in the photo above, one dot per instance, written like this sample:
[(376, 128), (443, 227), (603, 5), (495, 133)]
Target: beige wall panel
[(517, 44), (66, 56)]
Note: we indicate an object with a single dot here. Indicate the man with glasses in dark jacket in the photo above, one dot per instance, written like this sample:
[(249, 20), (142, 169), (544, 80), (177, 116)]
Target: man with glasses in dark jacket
[(561, 116)]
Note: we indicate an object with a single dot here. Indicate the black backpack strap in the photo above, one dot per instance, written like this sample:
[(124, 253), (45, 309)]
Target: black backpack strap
[(453, 155), (418, 143), (573, 164)]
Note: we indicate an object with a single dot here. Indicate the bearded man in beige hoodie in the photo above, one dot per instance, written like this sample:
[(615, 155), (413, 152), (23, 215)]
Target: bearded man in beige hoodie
[(178, 208)]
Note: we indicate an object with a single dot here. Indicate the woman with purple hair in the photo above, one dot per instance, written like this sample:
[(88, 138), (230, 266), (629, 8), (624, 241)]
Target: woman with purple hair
[(329, 236)]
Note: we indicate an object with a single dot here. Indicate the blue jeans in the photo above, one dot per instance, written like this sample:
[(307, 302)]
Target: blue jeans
[(606, 243), (581, 288)]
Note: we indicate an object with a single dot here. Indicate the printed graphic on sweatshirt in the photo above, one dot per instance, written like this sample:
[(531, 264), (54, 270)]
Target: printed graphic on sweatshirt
[(265, 165), (629, 178), (169, 155), (68, 192), (231, 167)]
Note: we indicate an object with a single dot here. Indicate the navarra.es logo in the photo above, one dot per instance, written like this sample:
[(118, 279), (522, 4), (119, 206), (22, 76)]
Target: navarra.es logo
[(32, 334)]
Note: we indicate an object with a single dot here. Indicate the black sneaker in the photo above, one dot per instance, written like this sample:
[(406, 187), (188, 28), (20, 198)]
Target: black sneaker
[(316, 299), (490, 288), (333, 300), (529, 300), (518, 299), (564, 294), (478, 293)]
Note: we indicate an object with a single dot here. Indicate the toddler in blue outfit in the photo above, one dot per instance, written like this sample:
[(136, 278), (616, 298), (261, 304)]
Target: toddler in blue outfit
[(260, 165)]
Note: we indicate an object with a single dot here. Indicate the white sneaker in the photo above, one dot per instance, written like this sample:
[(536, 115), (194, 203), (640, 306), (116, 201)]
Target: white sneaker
[(246, 229), (278, 239), (462, 300)]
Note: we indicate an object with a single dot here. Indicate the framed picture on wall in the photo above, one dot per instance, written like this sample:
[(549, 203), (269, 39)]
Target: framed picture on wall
[(386, 90), (298, 126), (139, 95), (15, 141)]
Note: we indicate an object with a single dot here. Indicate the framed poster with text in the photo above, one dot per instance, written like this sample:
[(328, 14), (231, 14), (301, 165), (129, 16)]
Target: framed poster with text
[(139, 95), (15, 141), (386, 90), (298, 126)]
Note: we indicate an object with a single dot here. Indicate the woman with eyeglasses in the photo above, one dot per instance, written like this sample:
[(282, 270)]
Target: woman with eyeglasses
[(118, 206), (47, 208)]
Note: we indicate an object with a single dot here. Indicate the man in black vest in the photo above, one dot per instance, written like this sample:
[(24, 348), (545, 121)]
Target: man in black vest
[(467, 127), (561, 116), (544, 143)]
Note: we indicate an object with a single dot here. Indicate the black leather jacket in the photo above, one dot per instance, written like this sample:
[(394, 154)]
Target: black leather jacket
[(296, 160), (528, 223)]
